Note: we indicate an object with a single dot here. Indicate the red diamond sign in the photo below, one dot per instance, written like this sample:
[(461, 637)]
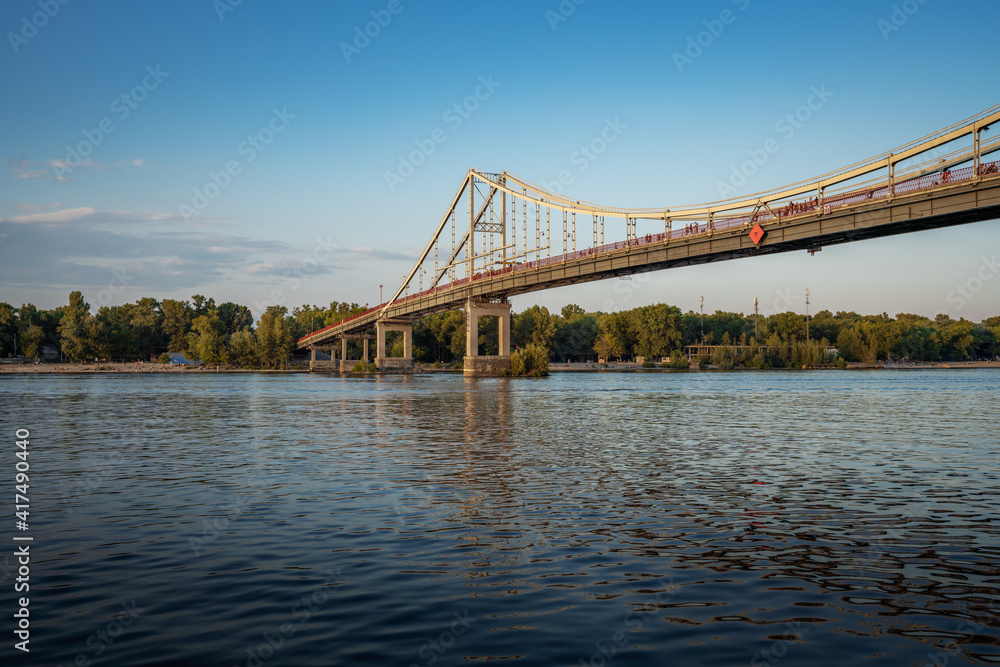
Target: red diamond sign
[(756, 234)]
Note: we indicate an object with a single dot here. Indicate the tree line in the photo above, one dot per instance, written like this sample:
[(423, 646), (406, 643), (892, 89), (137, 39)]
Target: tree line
[(227, 333), (201, 329)]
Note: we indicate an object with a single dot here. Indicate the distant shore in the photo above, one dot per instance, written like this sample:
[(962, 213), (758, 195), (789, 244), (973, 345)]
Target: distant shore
[(133, 367), (854, 365), (580, 367)]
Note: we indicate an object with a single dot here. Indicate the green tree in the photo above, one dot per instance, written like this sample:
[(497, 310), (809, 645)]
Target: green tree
[(788, 325), (605, 349), (10, 339), (202, 305), (618, 335), (205, 341), (722, 322), (434, 335), (990, 338), (691, 328), (111, 333), (531, 360), (534, 325), (957, 339), (656, 329), (824, 325), (75, 328), (30, 331), (274, 338), (243, 348), (234, 317), (147, 322), (576, 334), (865, 341), (176, 323)]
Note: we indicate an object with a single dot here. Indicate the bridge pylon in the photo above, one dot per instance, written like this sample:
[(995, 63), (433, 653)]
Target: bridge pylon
[(477, 365)]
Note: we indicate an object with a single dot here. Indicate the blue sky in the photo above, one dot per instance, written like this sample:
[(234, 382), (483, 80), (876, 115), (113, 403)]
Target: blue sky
[(329, 120)]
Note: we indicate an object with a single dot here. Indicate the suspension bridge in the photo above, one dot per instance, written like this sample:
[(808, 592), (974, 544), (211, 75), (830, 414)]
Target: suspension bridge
[(502, 236)]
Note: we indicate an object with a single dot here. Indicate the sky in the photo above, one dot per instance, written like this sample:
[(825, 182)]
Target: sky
[(240, 150)]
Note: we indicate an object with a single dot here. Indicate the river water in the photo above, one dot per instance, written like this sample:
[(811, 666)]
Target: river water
[(793, 518)]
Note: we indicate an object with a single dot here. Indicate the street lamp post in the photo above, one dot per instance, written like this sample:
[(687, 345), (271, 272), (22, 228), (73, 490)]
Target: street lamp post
[(807, 315), (755, 303), (702, 299), (380, 294)]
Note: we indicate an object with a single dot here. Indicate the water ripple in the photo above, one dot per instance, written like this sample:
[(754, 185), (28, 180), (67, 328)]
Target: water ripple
[(747, 518)]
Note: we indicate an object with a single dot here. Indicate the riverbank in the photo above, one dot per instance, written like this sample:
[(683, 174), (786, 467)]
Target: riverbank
[(581, 367), (622, 366), (132, 367)]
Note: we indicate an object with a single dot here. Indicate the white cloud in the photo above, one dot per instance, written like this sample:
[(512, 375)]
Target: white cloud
[(30, 207), (89, 216), (364, 251), (65, 215), (54, 169)]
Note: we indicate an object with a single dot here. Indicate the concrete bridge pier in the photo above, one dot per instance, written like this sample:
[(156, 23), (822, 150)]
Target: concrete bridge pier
[(347, 365), (319, 365), (486, 365), (383, 361)]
